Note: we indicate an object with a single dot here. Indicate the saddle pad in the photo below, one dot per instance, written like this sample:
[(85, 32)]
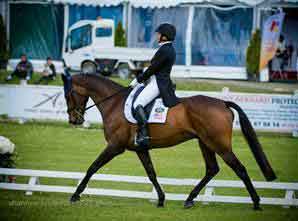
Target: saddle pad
[(158, 113)]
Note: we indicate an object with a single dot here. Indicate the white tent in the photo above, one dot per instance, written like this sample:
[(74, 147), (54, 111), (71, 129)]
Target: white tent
[(257, 6)]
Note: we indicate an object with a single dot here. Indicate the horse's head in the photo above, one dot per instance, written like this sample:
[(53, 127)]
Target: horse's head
[(76, 102)]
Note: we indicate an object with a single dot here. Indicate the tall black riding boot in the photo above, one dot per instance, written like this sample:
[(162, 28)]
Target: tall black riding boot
[(142, 138)]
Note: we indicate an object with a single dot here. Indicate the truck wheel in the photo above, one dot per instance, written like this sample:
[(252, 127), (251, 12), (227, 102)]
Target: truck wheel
[(123, 71), (88, 67)]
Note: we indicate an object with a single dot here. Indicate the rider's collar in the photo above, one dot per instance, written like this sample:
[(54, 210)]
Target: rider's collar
[(163, 43)]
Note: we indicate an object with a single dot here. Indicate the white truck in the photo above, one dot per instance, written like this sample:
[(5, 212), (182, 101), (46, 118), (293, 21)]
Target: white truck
[(90, 48)]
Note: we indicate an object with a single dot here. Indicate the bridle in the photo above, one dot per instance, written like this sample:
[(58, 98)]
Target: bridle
[(81, 111)]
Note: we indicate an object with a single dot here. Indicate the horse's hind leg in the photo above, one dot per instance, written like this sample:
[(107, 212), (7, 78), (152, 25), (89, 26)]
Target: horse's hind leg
[(108, 154), (239, 169), (144, 156), (211, 170)]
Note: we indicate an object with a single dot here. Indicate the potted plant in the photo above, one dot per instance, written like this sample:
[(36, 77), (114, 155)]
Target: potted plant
[(7, 158), (4, 55), (253, 56), (120, 38)]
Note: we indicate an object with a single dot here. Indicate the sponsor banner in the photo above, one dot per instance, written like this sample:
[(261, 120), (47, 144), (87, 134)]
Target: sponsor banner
[(38, 102), (268, 112), (270, 35)]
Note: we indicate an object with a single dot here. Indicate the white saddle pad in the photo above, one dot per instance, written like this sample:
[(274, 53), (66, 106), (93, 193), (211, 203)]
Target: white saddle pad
[(158, 113)]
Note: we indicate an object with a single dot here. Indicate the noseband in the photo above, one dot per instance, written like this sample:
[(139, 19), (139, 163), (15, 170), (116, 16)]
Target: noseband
[(80, 111), (76, 109)]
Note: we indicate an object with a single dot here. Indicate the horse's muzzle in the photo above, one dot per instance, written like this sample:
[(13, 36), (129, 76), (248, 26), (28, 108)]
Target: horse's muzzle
[(76, 122)]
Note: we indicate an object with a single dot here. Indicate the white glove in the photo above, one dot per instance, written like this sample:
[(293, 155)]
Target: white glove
[(133, 83)]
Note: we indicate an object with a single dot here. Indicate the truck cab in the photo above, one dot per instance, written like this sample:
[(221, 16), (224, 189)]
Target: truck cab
[(90, 48)]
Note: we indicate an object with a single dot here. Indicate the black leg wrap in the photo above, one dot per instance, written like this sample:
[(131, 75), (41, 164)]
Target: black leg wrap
[(74, 198), (188, 204)]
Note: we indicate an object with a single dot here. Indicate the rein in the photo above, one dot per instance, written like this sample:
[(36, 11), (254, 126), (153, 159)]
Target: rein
[(77, 110), (107, 98)]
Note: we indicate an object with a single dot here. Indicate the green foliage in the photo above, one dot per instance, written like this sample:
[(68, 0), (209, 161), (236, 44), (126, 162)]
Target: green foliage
[(4, 55), (253, 54), (120, 38)]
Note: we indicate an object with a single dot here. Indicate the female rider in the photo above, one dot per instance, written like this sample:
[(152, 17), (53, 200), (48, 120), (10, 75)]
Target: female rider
[(157, 81)]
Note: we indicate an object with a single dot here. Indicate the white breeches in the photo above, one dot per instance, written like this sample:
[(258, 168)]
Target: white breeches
[(150, 92)]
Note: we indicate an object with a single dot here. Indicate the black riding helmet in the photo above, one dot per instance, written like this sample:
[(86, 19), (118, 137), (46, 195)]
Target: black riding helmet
[(167, 30)]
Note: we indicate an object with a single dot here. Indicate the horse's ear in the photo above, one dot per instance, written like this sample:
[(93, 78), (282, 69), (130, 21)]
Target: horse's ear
[(63, 78), (66, 76), (67, 81)]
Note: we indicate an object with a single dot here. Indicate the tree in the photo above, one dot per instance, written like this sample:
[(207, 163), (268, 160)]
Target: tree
[(120, 38), (3, 41), (253, 55)]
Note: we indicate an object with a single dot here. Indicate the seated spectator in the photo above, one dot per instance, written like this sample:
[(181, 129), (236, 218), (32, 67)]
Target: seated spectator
[(49, 72), (24, 69)]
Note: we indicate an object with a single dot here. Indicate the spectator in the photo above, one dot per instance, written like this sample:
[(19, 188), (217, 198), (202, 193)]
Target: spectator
[(289, 54), (281, 53), (49, 72), (24, 69)]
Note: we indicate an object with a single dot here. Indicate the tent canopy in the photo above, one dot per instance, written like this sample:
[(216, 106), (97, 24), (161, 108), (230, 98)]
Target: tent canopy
[(168, 3), (162, 3)]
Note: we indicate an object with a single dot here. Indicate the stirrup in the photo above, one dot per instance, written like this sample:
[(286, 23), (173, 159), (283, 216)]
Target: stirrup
[(144, 142)]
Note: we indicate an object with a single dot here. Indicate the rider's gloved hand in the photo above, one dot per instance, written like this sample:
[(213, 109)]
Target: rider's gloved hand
[(133, 83)]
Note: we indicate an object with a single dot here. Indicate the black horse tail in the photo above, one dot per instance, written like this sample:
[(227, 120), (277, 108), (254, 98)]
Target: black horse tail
[(253, 142)]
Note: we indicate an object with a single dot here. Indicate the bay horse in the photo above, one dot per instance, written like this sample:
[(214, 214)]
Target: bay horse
[(209, 120)]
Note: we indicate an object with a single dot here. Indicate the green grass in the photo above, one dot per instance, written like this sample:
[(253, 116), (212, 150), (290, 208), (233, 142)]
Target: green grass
[(57, 146), (181, 84)]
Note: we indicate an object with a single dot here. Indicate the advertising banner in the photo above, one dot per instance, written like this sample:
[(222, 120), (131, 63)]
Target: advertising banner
[(270, 35), (267, 112), (38, 102)]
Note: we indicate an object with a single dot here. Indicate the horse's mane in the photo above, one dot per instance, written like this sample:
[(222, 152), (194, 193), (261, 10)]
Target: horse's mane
[(98, 80)]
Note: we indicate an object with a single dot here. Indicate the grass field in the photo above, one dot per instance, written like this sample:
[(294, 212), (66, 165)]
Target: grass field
[(189, 84), (58, 146)]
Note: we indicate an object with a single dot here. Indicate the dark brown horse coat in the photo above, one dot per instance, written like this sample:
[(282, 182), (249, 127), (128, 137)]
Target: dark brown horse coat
[(207, 119)]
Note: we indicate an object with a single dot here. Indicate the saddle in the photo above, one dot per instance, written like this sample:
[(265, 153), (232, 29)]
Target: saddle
[(156, 111)]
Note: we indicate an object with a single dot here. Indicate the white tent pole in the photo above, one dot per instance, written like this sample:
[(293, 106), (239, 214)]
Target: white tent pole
[(8, 25), (66, 23), (188, 35), (124, 15), (129, 14), (125, 20), (254, 20), (258, 18)]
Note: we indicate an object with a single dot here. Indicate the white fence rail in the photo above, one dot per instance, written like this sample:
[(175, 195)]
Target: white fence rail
[(208, 196)]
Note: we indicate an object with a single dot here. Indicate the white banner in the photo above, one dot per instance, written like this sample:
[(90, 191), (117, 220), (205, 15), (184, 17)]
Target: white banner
[(270, 34), (38, 102), (268, 112)]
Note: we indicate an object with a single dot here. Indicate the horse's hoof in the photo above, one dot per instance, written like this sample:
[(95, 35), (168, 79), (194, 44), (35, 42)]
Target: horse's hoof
[(189, 204), (74, 198), (257, 208), (160, 204)]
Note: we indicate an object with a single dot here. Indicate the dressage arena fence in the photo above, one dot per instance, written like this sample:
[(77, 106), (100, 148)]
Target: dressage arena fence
[(208, 196)]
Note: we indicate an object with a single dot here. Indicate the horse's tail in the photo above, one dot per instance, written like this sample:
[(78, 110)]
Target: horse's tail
[(253, 142)]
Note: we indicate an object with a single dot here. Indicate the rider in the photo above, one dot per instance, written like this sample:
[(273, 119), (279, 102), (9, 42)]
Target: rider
[(157, 80)]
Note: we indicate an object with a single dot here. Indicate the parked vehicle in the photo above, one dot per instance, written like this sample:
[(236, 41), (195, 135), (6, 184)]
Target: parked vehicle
[(90, 48)]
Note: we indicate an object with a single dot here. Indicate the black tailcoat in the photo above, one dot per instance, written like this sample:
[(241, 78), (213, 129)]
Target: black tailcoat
[(161, 66)]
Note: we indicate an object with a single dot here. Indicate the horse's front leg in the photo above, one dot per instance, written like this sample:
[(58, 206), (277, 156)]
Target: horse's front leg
[(144, 156), (106, 155)]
